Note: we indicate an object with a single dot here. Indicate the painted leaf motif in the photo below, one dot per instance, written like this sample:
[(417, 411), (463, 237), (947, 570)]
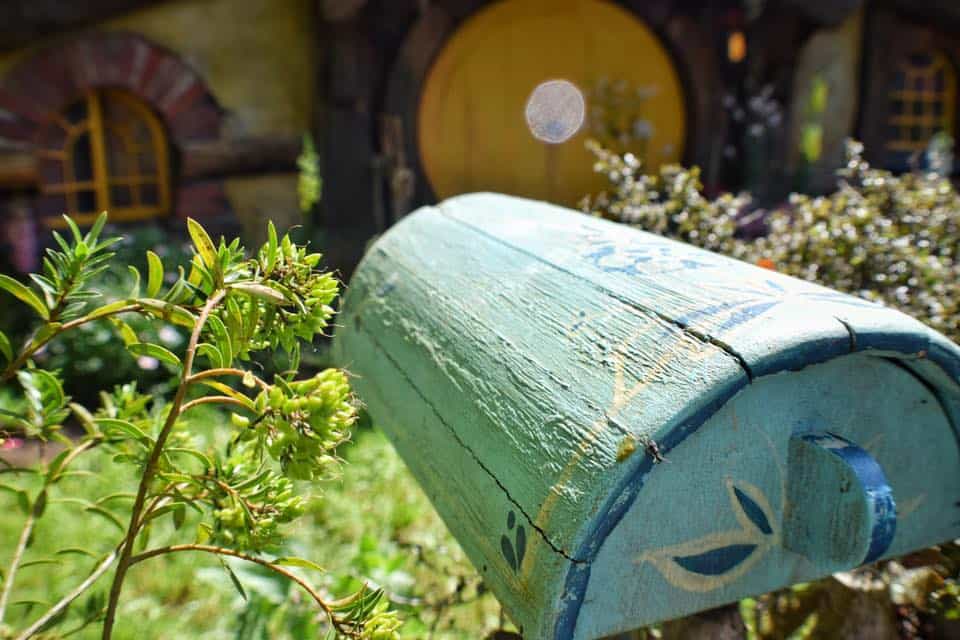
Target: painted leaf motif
[(507, 548), (753, 511), (716, 561), (521, 545)]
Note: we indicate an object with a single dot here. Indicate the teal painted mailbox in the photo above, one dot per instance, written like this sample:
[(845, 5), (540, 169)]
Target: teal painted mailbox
[(621, 429)]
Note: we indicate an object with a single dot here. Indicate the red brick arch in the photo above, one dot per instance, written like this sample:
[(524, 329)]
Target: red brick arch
[(44, 83)]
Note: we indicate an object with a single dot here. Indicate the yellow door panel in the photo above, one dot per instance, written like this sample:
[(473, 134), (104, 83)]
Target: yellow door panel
[(471, 127)]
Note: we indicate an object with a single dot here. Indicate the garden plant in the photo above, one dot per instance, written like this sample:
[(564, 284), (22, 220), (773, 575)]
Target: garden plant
[(231, 496)]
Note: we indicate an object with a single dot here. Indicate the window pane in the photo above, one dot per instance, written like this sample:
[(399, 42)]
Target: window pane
[(86, 202), (82, 159), (141, 133), (120, 196), (149, 194), (121, 162), (148, 164), (51, 171), (77, 112), (51, 205)]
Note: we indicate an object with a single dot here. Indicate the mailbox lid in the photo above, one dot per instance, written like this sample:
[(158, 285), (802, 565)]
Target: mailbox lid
[(767, 320)]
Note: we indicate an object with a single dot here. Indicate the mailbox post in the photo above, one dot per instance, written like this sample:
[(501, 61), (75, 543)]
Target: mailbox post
[(621, 429)]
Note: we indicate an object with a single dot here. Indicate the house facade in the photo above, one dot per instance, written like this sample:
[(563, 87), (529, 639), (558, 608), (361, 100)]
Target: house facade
[(156, 110)]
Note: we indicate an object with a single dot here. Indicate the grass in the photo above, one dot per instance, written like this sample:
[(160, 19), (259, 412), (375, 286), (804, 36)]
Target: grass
[(373, 524)]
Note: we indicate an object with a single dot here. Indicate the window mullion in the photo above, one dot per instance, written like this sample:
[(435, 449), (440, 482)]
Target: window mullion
[(101, 172)]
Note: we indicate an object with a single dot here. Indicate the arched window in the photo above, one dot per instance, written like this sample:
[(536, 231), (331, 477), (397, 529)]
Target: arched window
[(105, 152), (922, 102)]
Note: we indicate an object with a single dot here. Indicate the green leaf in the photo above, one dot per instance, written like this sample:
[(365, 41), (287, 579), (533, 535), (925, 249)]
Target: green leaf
[(78, 551), (34, 563), (252, 481), (94, 232), (30, 603), (154, 274), (125, 495), (107, 515), (74, 229), (203, 244), (23, 501), (127, 333), (261, 291), (107, 309), (53, 470), (24, 294), (5, 347), (211, 352), (230, 391), (154, 351), (179, 515), (44, 334), (298, 562), (168, 311), (163, 510), (271, 247), (234, 579), (126, 427), (222, 336), (199, 455), (40, 505), (85, 418), (135, 289)]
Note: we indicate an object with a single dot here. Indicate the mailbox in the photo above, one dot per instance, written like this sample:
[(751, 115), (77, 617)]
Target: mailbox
[(621, 429)]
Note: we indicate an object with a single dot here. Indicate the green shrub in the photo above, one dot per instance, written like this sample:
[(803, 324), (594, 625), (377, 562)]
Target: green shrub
[(891, 239)]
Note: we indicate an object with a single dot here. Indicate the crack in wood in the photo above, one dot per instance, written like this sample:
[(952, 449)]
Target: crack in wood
[(463, 445)]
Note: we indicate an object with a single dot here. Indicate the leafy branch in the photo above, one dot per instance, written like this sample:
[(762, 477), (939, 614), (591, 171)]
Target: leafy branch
[(242, 492)]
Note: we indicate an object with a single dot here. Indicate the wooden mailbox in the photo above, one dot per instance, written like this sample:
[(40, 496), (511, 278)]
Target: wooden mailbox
[(621, 429)]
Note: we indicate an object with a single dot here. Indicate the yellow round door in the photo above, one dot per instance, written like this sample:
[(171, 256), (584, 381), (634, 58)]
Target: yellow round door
[(472, 131)]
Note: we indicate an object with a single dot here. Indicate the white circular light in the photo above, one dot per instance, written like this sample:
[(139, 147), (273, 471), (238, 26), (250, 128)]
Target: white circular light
[(555, 111)]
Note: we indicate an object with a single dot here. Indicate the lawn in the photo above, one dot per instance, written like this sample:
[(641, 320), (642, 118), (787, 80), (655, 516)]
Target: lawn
[(373, 524)]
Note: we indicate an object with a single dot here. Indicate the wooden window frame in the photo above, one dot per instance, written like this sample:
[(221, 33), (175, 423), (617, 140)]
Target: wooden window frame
[(102, 179), (909, 98)]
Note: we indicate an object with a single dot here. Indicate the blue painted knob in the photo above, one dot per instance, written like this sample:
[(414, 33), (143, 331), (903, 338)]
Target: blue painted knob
[(840, 509)]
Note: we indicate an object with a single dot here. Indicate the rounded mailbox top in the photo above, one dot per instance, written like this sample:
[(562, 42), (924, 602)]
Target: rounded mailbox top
[(537, 367)]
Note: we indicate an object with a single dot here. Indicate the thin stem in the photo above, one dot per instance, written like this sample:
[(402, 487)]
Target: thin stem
[(35, 512), (150, 469), (213, 400), (223, 551), (29, 348), (226, 371), (64, 602), (15, 562)]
